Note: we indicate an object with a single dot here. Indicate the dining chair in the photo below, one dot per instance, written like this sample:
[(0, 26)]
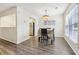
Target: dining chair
[(52, 36), (44, 36)]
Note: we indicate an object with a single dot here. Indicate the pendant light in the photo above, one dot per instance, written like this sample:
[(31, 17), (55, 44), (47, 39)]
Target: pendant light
[(45, 17)]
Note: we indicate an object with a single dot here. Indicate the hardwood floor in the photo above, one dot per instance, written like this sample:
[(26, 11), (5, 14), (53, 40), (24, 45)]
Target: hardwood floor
[(33, 47)]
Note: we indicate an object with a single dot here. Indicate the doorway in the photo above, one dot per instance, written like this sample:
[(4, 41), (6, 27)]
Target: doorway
[(32, 29)]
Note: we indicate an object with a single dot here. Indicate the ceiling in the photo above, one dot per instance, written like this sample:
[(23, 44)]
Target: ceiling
[(38, 8)]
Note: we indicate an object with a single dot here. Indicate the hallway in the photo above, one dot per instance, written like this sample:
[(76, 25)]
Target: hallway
[(33, 47)]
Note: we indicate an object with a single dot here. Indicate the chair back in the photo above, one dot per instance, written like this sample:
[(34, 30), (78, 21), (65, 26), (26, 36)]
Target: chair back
[(44, 32)]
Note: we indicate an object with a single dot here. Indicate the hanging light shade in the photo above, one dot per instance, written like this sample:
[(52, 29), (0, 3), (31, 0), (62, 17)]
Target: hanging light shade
[(45, 17)]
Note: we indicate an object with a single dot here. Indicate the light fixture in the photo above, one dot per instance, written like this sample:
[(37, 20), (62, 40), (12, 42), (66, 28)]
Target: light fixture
[(56, 7), (45, 17)]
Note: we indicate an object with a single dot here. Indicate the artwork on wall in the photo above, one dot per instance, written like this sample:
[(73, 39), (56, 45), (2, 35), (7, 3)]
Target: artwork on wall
[(49, 22)]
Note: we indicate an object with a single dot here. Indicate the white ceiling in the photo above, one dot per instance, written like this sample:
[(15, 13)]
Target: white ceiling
[(39, 8)]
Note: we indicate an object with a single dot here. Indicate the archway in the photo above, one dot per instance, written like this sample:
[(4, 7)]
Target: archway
[(32, 27)]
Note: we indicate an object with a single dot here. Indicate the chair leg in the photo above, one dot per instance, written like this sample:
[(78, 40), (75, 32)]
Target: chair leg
[(46, 42), (51, 42), (43, 40), (39, 39), (54, 40)]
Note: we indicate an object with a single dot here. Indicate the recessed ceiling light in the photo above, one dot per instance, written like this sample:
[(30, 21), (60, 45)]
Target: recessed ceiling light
[(56, 7)]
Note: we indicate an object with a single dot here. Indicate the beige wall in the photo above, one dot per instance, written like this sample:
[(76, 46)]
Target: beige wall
[(8, 33)]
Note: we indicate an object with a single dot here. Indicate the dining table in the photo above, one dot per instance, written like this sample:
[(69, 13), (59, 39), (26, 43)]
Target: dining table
[(50, 32)]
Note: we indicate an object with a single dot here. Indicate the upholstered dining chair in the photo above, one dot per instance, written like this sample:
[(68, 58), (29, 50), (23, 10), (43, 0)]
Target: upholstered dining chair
[(44, 36), (52, 36)]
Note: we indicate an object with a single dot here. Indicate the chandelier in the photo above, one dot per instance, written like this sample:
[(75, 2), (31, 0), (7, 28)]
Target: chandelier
[(45, 17)]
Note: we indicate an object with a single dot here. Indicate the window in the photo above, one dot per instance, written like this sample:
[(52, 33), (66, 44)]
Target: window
[(72, 24)]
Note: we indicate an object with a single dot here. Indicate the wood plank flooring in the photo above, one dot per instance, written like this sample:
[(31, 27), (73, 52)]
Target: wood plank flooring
[(33, 47)]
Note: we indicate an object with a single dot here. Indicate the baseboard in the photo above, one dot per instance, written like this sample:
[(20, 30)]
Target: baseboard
[(7, 41), (72, 45)]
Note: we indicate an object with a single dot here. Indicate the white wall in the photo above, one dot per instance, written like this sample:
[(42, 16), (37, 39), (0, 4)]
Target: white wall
[(21, 25), (58, 26), (23, 19), (8, 33)]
